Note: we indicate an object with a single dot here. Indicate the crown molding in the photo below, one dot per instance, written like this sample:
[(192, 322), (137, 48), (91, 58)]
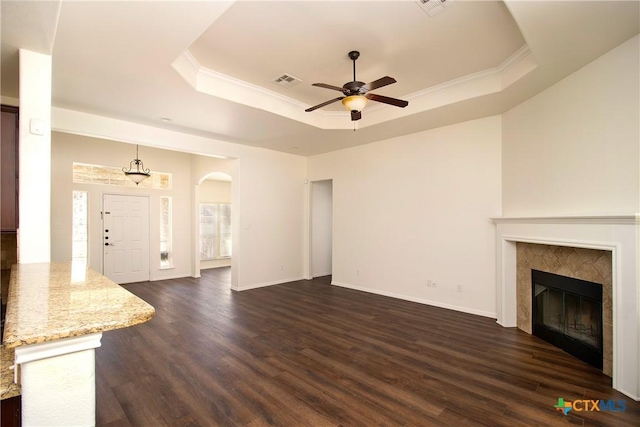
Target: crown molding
[(484, 82), (210, 82), (499, 70), (590, 219)]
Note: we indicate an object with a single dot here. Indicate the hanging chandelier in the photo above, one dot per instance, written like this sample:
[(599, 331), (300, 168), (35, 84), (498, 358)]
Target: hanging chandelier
[(138, 174)]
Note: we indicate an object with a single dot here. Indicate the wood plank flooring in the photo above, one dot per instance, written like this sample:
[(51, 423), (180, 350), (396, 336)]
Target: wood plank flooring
[(310, 354)]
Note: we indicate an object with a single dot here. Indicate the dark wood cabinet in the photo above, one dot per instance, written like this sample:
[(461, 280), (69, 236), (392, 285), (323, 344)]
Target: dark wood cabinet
[(11, 415), (10, 409), (9, 163)]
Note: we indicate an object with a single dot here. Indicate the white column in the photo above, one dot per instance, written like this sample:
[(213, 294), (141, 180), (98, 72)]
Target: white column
[(506, 304), (195, 269), (35, 158), (58, 382)]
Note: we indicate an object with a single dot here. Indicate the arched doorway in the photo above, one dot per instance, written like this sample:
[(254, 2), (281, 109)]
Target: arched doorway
[(212, 222)]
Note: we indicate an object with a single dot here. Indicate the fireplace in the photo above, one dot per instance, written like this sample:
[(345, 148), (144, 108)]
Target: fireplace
[(567, 313), (559, 245), (586, 265)]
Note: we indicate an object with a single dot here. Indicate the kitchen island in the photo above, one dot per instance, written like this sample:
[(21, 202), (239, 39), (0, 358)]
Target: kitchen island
[(56, 314)]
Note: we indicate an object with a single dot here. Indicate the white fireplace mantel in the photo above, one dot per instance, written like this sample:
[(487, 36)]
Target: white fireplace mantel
[(618, 234)]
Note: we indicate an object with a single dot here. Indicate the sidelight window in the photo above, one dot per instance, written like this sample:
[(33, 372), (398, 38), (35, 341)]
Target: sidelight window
[(79, 238), (166, 260)]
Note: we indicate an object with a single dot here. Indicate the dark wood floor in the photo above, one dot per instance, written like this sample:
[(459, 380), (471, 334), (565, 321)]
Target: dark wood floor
[(310, 354)]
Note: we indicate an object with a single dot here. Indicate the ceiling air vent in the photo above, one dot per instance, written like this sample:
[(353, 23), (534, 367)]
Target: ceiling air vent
[(433, 7), (287, 80)]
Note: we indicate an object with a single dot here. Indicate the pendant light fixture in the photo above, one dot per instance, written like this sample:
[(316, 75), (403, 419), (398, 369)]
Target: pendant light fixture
[(138, 174)]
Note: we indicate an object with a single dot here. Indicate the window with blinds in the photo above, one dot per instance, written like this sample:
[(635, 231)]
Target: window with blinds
[(215, 231)]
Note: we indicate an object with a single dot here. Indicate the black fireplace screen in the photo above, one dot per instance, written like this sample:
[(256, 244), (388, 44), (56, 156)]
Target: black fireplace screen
[(567, 312)]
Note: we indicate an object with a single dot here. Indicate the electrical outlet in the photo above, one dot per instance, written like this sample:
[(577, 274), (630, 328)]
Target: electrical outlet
[(429, 284), (459, 288), (357, 272), (281, 267)]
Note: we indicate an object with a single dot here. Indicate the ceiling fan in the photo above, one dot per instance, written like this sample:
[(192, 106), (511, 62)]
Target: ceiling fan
[(357, 93)]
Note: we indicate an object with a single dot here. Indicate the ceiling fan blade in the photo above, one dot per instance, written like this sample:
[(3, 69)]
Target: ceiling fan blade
[(324, 103), (384, 81), (386, 100), (326, 86), (356, 115)]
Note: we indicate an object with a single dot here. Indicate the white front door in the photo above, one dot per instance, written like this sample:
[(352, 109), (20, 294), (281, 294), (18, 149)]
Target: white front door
[(125, 238)]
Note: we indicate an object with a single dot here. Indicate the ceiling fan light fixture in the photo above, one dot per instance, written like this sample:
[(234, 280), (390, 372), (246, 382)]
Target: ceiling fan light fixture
[(354, 102), (356, 93)]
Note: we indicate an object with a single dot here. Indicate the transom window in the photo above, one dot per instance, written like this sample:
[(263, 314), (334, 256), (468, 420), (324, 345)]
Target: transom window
[(84, 173)]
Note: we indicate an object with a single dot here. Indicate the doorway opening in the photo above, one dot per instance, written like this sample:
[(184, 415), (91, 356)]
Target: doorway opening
[(321, 229), (213, 222)]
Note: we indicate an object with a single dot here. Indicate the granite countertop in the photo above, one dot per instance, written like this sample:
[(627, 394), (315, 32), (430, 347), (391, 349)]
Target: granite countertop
[(51, 301), (8, 388)]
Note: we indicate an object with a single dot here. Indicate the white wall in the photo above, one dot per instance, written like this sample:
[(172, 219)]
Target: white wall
[(574, 148), (67, 149), (268, 194), (35, 157), (321, 227), (416, 208), (272, 197), (214, 191), (202, 166)]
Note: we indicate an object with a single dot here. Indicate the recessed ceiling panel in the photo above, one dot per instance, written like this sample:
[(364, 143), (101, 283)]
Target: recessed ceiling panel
[(257, 41)]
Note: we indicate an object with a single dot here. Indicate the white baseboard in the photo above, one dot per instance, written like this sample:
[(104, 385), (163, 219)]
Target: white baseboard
[(321, 274), (170, 277), (505, 325), (631, 395), (363, 289), (418, 300), (262, 285)]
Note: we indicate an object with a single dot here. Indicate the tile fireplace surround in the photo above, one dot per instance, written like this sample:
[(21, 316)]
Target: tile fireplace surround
[(579, 263), (615, 234)]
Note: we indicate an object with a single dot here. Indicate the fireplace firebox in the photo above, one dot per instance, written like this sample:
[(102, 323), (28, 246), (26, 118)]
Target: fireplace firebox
[(567, 313)]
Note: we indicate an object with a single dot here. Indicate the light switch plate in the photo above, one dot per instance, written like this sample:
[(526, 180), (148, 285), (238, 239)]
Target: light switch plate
[(37, 126)]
